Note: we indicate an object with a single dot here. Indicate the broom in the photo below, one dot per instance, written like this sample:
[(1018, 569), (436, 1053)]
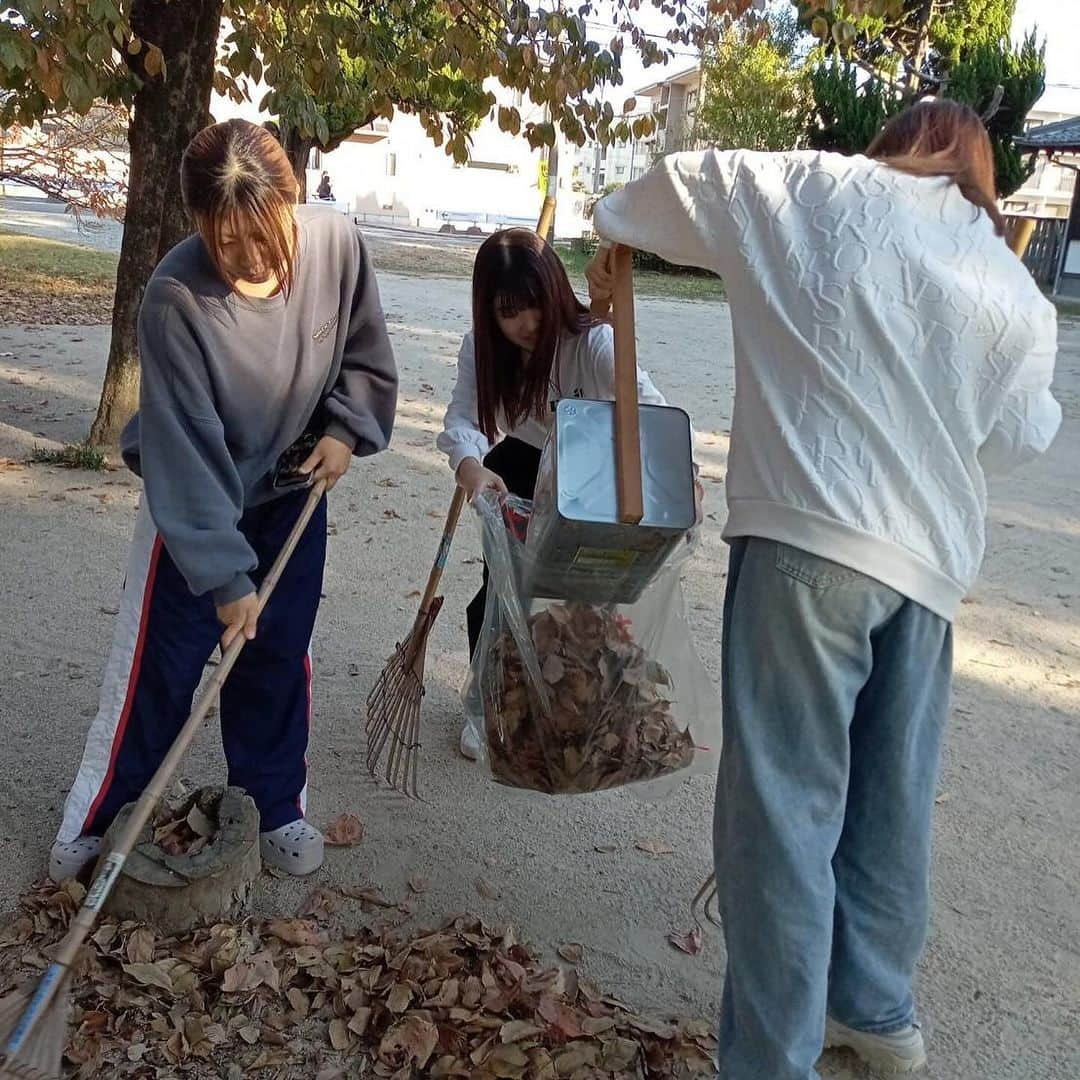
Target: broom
[(393, 706), (33, 1023)]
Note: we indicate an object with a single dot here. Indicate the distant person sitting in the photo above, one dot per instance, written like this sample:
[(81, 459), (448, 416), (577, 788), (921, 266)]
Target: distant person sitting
[(325, 191)]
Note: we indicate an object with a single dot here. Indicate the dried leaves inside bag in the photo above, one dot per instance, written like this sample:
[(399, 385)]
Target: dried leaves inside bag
[(603, 717)]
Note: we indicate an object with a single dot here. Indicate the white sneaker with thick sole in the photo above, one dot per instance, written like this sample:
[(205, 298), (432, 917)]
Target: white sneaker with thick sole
[(68, 860), (470, 743), (890, 1055), (296, 848)]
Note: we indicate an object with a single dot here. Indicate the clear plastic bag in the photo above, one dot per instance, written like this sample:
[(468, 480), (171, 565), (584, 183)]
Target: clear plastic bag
[(569, 697)]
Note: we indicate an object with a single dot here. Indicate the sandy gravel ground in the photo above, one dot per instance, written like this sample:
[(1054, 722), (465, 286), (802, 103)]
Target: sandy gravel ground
[(1000, 984)]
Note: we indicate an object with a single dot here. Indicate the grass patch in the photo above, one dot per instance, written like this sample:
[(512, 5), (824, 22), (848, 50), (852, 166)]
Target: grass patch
[(47, 281), (690, 286), (429, 260), (75, 456)]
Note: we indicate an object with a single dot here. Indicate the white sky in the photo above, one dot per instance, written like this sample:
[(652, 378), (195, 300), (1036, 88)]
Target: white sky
[(1059, 22)]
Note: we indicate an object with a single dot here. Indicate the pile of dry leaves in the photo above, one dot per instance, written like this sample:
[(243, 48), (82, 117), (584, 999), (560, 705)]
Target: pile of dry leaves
[(280, 995), (608, 720), (186, 828)]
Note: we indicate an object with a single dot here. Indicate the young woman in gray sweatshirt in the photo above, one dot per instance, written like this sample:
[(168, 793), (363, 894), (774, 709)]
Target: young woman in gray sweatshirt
[(261, 334)]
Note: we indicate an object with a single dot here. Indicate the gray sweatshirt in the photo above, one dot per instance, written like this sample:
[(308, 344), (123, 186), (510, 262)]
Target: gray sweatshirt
[(229, 382)]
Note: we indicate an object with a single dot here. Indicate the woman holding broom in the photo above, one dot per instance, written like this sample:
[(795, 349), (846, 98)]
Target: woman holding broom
[(532, 344), (265, 366), (890, 351)]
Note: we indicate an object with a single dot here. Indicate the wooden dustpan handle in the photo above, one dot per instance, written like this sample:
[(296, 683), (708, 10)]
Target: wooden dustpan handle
[(627, 418)]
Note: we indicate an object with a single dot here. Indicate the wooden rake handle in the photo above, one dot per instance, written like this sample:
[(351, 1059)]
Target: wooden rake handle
[(453, 515)]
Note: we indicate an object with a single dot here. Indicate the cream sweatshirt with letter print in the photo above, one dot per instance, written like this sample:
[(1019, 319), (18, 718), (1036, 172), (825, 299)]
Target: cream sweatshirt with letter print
[(889, 351)]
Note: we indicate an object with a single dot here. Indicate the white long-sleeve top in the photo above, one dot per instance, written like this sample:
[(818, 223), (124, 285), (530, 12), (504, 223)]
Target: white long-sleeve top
[(889, 348), (583, 368)]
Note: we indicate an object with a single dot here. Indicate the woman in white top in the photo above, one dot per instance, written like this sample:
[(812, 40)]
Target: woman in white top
[(889, 351), (532, 344)]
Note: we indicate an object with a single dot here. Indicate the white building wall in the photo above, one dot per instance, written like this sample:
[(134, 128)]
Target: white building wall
[(397, 176)]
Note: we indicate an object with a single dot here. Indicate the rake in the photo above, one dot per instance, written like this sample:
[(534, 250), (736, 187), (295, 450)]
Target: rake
[(33, 1022), (393, 706)]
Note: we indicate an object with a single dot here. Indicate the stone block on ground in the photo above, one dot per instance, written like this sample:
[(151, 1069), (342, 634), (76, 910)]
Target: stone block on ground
[(177, 892)]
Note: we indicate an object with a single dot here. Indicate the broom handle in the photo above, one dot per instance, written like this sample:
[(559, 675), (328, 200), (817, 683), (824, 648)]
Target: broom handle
[(452, 517), (114, 861)]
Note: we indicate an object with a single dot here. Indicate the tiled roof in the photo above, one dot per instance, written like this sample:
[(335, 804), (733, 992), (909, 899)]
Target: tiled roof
[(1063, 135)]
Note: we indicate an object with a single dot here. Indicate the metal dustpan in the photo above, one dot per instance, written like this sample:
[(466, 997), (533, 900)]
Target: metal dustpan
[(603, 525)]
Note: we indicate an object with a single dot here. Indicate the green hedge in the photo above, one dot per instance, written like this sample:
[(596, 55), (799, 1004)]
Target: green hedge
[(643, 260)]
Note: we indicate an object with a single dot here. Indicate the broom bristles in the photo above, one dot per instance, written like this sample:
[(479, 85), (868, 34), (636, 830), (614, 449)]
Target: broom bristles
[(41, 1055)]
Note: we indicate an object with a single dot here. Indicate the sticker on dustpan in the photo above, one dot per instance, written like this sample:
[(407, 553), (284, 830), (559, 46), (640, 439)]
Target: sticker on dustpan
[(604, 558)]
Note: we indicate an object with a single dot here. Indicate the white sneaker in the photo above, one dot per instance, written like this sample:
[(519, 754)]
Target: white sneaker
[(898, 1052), (470, 744), (296, 848), (68, 860)]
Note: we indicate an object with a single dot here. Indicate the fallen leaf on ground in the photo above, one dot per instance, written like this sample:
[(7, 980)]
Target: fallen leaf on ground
[(339, 1034), (345, 831), (368, 894), (487, 890), (149, 975), (320, 905), (571, 953), (419, 884), (687, 941), (655, 847), (296, 932)]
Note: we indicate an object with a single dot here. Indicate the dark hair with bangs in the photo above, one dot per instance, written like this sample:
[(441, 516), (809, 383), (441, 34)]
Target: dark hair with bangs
[(514, 270), (237, 173)]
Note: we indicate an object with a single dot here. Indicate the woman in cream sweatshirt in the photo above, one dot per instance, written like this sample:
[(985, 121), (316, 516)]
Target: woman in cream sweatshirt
[(890, 350)]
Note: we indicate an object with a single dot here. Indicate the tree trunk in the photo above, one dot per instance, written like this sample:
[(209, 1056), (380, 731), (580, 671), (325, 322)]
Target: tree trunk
[(167, 114), (921, 47), (298, 147)]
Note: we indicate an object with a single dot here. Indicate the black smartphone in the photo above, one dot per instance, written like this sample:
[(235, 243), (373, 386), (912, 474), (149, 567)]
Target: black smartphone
[(287, 472)]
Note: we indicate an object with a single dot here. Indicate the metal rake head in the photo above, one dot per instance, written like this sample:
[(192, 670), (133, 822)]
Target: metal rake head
[(393, 709)]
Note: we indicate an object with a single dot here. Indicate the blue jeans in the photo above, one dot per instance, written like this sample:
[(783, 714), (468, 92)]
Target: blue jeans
[(836, 691)]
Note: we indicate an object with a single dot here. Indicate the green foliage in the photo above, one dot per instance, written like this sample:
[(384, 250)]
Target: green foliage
[(848, 115), (74, 456), (757, 94), (909, 48), (969, 23), (328, 64), (1021, 74)]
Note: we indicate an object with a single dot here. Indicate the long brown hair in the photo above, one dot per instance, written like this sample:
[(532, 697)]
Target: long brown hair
[(943, 138), (515, 270), (237, 174)]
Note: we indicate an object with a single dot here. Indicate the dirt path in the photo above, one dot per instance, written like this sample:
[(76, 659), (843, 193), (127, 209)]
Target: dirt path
[(1000, 983)]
